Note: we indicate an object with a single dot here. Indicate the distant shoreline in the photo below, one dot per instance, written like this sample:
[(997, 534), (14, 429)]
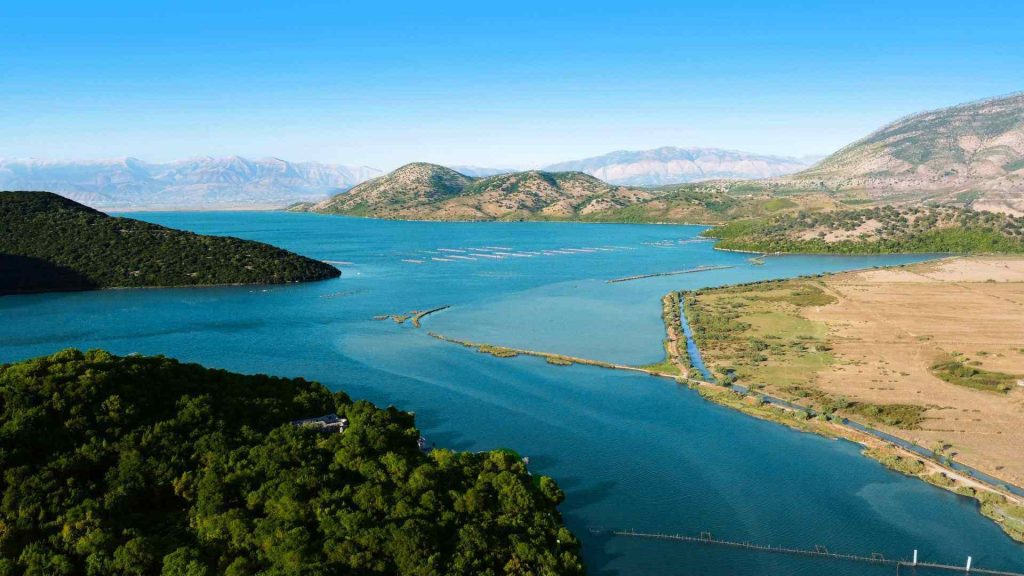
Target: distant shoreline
[(232, 208)]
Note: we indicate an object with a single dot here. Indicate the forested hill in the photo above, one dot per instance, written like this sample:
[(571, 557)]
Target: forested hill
[(144, 465), (49, 243), (877, 231)]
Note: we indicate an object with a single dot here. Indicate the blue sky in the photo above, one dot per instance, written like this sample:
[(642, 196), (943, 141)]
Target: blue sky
[(502, 84)]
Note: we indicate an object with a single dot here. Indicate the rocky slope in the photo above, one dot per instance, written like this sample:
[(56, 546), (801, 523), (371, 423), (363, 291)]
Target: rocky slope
[(431, 192), (233, 182), (972, 154), (669, 165)]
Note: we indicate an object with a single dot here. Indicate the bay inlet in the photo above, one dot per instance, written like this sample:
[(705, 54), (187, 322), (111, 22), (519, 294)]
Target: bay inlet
[(630, 451)]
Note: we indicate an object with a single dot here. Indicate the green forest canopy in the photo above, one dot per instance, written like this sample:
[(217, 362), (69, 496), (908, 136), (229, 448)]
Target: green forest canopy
[(144, 465), (48, 242)]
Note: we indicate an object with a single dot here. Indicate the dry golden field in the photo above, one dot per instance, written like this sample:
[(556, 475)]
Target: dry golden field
[(873, 344), (887, 328)]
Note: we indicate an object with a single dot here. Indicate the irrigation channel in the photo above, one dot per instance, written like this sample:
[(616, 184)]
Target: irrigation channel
[(818, 552)]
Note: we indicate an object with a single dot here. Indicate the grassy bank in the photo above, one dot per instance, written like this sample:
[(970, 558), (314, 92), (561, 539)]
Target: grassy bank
[(676, 361), (757, 335)]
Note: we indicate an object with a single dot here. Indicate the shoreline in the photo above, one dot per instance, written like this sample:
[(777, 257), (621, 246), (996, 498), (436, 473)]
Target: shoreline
[(706, 225), (225, 208), (550, 357), (893, 456), (488, 221), (998, 499), (169, 287)]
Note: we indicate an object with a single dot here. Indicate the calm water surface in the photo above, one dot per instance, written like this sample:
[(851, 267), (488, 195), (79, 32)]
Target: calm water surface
[(630, 451)]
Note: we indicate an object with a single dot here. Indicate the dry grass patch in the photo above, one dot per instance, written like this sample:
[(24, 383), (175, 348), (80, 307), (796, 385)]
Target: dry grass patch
[(894, 334), (878, 346)]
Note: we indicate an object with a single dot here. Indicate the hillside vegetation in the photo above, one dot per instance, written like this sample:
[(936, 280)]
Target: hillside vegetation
[(972, 153), (48, 242), (429, 192), (710, 203), (143, 465), (424, 191), (877, 231)]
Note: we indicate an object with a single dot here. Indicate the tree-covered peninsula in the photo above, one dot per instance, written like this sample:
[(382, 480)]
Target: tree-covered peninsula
[(50, 243), (143, 465)]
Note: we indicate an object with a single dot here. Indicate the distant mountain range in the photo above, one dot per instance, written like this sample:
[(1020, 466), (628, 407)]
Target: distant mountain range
[(236, 182), (202, 182), (670, 165), (972, 154), (478, 171)]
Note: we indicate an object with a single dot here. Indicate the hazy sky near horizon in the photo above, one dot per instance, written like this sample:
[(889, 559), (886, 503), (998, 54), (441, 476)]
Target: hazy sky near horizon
[(477, 83)]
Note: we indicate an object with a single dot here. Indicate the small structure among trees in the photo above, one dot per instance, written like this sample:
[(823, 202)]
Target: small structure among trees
[(326, 423)]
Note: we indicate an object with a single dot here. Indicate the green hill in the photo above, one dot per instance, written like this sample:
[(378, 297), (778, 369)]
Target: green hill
[(143, 465), (48, 243), (424, 191)]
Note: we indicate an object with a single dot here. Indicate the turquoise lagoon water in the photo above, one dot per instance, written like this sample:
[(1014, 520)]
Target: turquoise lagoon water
[(631, 451)]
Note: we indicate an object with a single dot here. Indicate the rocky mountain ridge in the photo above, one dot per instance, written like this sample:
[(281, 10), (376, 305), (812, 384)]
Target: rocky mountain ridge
[(671, 165)]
